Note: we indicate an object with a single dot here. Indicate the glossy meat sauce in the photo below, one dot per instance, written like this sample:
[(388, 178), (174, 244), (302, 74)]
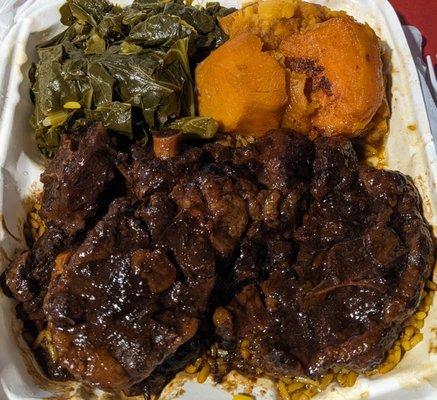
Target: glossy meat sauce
[(288, 243)]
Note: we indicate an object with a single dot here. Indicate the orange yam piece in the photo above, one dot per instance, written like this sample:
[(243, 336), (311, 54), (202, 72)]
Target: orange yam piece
[(297, 114), (272, 20), (258, 17), (242, 87), (342, 61)]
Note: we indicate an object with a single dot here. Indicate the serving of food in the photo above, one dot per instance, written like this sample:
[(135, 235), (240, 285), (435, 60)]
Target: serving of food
[(215, 199)]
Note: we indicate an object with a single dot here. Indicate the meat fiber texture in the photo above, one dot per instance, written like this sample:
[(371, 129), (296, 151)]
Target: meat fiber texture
[(410, 149), (343, 297), (293, 245)]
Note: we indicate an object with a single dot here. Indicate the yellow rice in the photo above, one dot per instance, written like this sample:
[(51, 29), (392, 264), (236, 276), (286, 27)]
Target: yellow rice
[(36, 224), (304, 388)]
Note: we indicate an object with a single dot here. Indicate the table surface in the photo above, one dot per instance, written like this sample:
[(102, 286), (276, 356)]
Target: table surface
[(423, 15)]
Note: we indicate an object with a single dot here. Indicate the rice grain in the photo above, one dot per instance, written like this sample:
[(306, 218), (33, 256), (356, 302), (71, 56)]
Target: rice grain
[(202, 376)]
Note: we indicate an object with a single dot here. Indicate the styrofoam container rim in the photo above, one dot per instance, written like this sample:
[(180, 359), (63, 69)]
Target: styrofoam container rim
[(412, 151)]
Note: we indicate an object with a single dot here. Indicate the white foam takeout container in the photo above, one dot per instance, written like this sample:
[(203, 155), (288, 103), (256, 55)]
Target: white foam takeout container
[(411, 151)]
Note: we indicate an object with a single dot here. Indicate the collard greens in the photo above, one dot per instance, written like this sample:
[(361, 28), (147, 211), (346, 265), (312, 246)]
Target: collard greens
[(130, 68)]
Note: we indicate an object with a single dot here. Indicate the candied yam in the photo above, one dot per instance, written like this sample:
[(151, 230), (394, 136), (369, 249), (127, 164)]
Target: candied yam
[(271, 20), (342, 61), (242, 87)]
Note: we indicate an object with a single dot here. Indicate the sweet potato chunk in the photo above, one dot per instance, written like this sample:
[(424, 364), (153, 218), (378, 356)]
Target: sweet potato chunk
[(242, 87), (342, 62), (271, 20), (333, 71)]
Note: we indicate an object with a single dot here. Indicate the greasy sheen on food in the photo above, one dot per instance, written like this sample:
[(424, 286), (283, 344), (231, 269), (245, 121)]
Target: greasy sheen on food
[(334, 71), (118, 305), (336, 289), (129, 68), (290, 244)]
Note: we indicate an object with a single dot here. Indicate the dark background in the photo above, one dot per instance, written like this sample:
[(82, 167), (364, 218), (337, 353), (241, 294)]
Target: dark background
[(423, 15)]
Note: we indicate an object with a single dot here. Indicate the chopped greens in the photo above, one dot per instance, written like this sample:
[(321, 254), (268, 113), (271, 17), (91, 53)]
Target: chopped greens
[(196, 127), (131, 68)]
